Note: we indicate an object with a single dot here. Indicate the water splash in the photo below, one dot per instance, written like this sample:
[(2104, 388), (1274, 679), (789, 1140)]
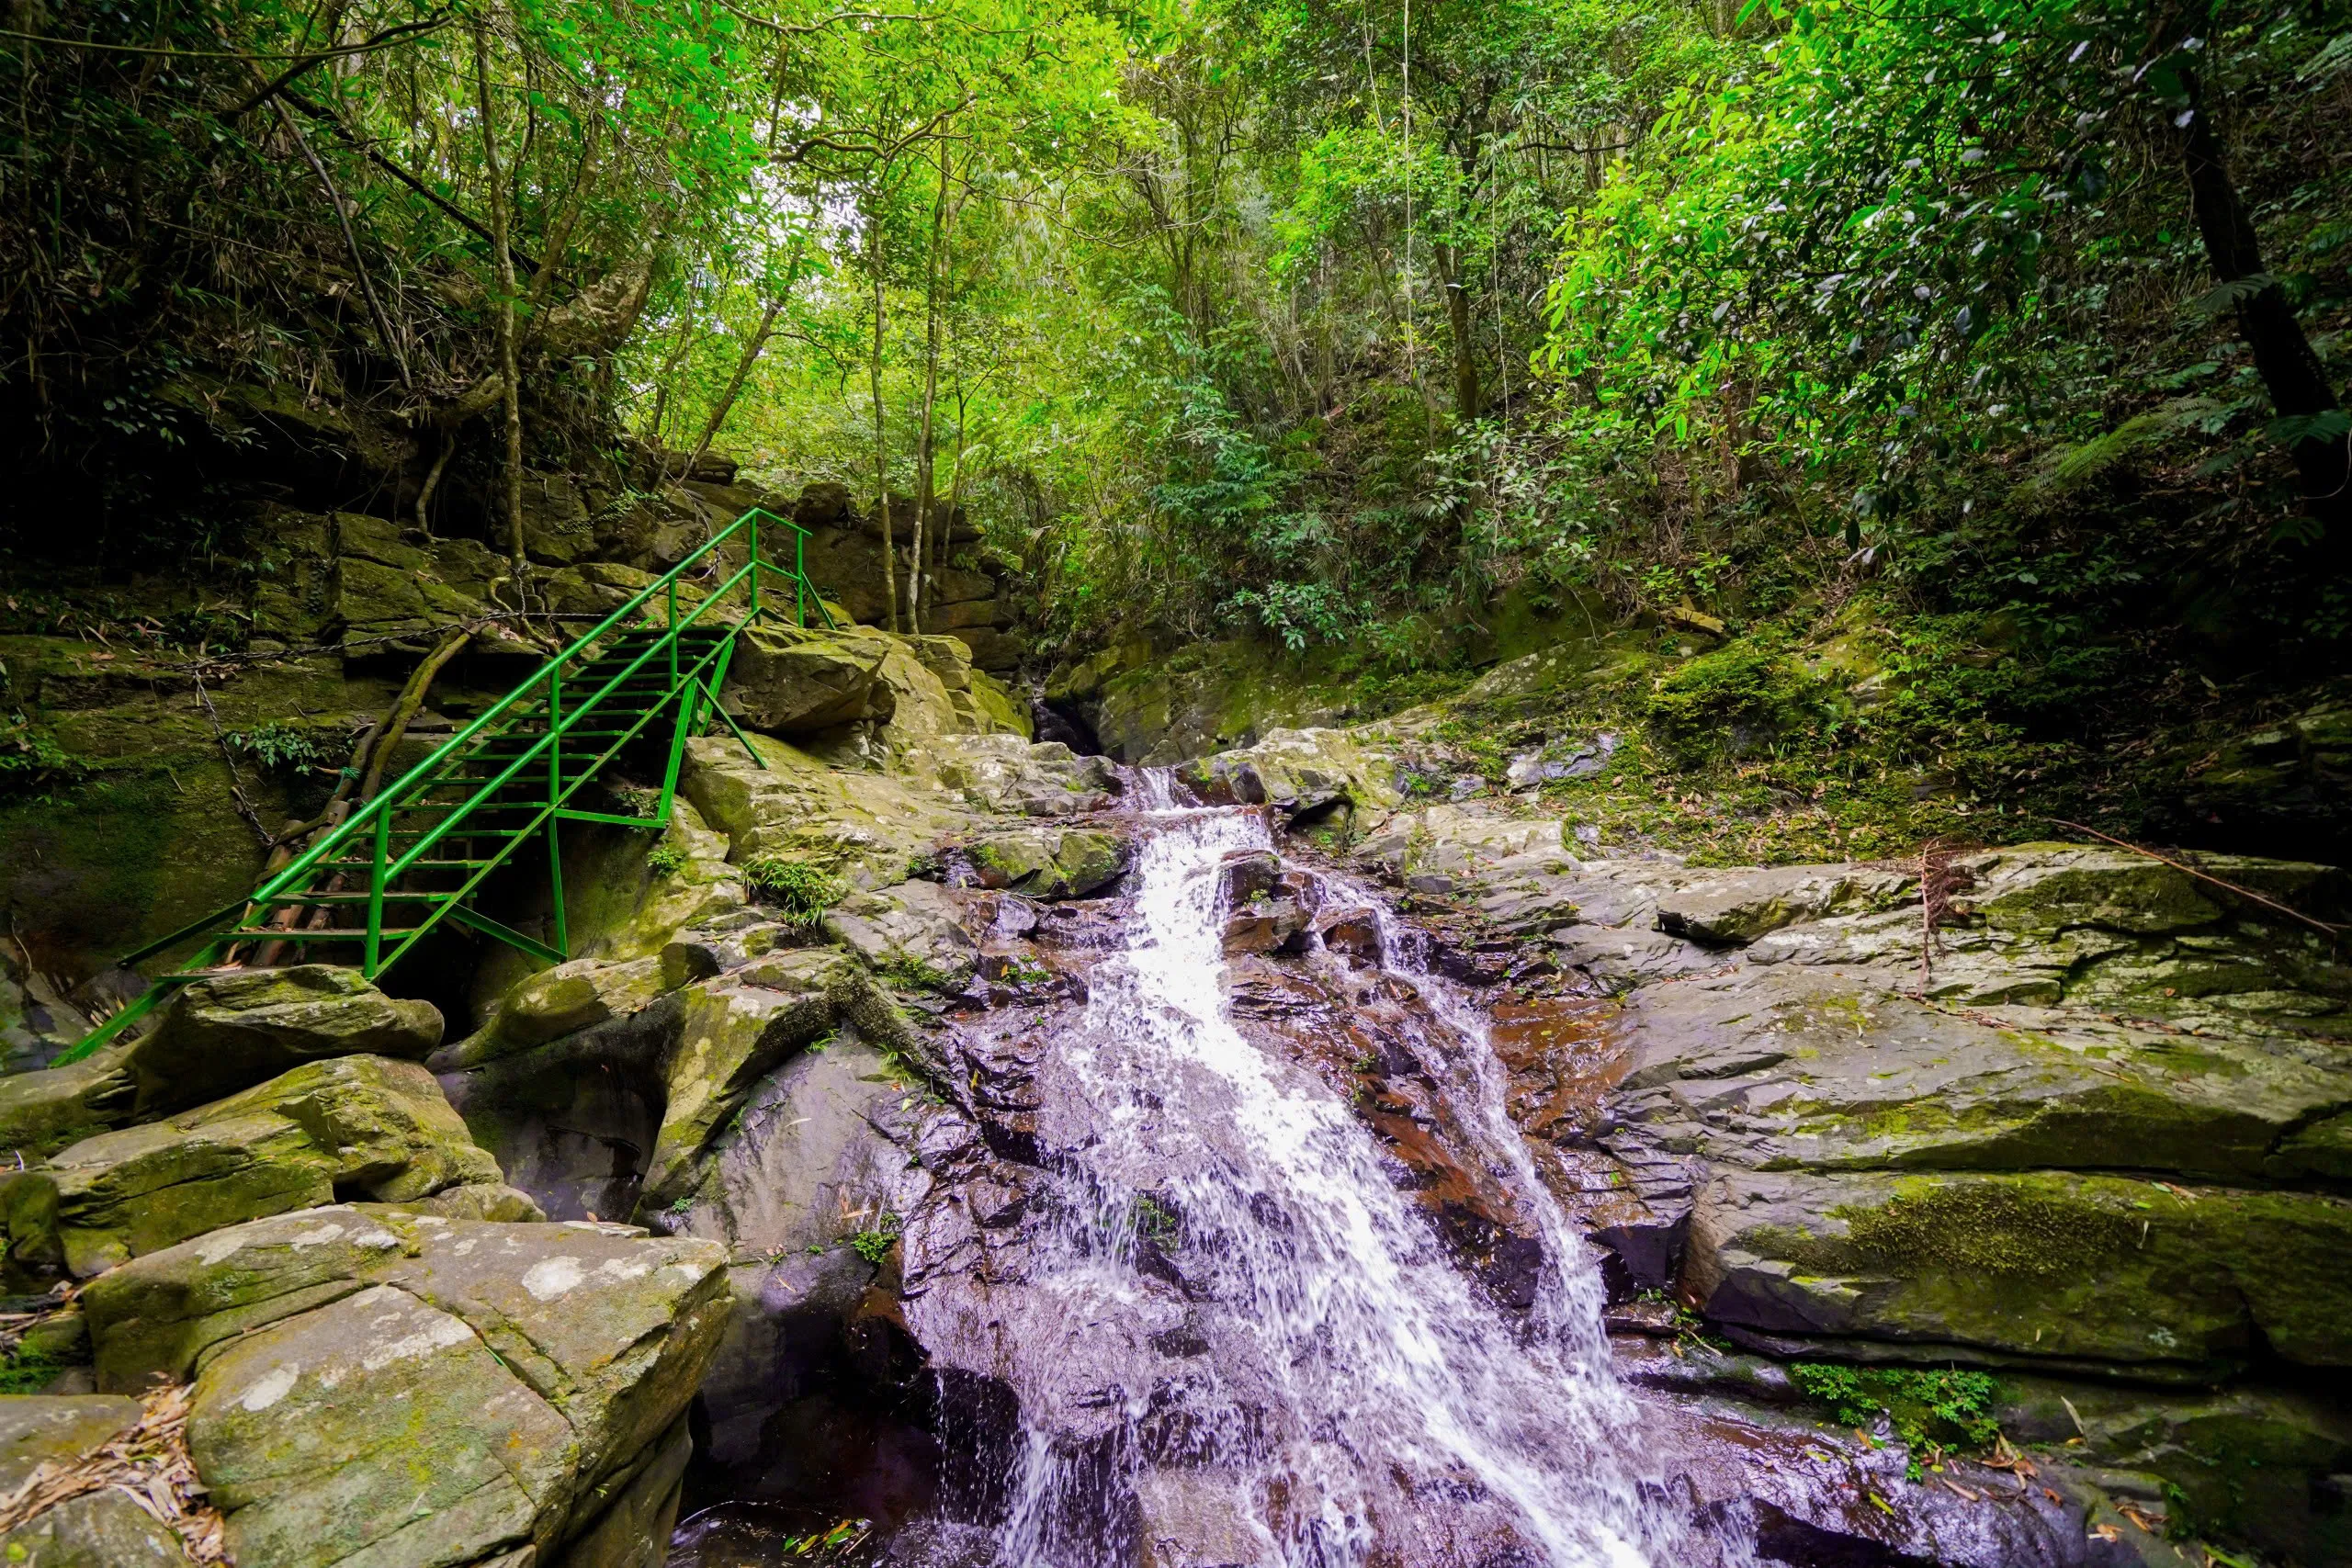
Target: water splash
[(1345, 1385)]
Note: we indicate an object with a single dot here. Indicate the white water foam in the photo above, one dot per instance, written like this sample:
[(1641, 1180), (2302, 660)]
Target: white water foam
[(1355, 1369)]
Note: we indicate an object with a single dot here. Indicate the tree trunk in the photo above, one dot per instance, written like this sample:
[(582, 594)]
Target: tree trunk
[(726, 403), (2291, 371), (881, 453), (501, 222), (1457, 321), (925, 458), (670, 363)]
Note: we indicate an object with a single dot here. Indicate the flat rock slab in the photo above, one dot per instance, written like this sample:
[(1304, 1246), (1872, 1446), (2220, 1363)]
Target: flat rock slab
[(97, 1530), (381, 1389), (37, 1427), (365, 1124)]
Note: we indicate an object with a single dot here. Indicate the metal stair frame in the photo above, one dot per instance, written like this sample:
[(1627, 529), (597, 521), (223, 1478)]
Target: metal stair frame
[(690, 692)]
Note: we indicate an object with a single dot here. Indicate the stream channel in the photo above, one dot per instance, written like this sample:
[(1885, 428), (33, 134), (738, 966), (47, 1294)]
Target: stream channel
[(1228, 1252)]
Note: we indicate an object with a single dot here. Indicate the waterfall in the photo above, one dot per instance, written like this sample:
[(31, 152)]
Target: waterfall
[(1347, 1385)]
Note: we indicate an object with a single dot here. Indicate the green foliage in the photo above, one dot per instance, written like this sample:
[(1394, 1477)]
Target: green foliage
[(800, 891), (32, 763), (1928, 1410), (28, 1371), (666, 859), (875, 1244), (1742, 698), (278, 747), (1156, 1222)]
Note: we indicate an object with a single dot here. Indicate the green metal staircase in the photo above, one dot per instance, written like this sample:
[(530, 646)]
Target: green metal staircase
[(644, 680)]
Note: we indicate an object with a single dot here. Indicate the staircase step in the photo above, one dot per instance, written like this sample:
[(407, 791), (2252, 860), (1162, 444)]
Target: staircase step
[(392, 895), (266, 935)]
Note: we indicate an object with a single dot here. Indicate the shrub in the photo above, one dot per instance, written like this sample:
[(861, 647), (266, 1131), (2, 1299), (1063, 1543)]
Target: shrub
[(665, 860), (1736, 700)]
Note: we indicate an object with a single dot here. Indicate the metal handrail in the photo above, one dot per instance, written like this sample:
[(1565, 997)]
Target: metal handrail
[(687, 687)]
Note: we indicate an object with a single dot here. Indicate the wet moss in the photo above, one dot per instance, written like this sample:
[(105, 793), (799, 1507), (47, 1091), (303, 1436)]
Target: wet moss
[(2014, 1229)]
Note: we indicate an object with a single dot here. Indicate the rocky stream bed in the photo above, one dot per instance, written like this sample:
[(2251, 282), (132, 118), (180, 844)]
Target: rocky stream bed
[(1251, 1163)]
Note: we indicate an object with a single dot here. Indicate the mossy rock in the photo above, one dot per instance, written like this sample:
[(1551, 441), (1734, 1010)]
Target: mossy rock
[(1051, 862), (2095, 1269), (362, 1125), (227, 1032), (372, 1386)]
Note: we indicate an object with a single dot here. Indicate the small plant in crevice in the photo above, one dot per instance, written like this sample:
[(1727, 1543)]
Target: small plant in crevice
[(875, 1244), (31, 763), (800, 891), (1156, 1222), (666, 859), (640, 801), (26, 1370), (278, 747), (1929, 1410)]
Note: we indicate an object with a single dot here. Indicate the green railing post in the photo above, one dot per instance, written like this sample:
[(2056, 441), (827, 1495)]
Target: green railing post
[(433, 822), (555, 798), (382, 863)]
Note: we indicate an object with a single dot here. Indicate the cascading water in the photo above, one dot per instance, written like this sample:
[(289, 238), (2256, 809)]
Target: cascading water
[(1344, 1386)]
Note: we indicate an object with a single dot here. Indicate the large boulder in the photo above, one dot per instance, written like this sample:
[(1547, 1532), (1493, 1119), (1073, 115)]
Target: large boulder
[(228, 1031), (42, 1112), (1051, 862), (562, 1000), (379, 1388), (2074, 1268), (808, 1173), (787, 680), (1300, 772), (356, 1125)]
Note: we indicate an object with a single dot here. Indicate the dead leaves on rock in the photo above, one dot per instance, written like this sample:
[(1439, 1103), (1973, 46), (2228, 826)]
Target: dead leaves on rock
[(149, 1464)]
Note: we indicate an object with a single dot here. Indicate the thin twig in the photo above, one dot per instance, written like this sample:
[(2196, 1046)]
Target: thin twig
[(350, 240), (2323, 927), (236, 783)]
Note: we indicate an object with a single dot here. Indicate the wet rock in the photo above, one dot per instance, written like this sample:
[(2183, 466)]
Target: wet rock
[(1051, 862), (362, 1125), (1300, 772), (914, 931), (227, 1032), (376, 1386), (1271, 926), (1351, 932), (788, 681)]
